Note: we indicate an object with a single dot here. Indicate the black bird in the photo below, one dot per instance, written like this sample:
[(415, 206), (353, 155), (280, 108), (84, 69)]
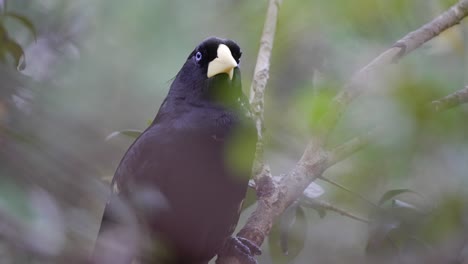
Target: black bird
[(186, 175)]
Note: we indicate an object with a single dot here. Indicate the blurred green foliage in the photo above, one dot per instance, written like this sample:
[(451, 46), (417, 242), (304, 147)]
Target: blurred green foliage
[(95, 67)]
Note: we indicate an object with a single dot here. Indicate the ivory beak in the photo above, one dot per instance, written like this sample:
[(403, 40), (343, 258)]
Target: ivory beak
[(223, 63)]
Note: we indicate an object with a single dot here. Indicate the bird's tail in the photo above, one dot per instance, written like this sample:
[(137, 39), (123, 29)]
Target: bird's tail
[(118, 236)]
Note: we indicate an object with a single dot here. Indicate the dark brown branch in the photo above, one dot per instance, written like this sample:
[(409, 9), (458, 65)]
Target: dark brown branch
[(279, 196)]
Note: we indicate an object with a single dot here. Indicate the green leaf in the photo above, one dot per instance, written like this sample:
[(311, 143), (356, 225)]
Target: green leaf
[(250, 199), (287, 238), (3, 38), (380, 238), (446, 220), (392, 193), (400, 204), (393, 227), (3, 33), (24, 21), (17, 52), (2, 56), (287, 221), (315, 205), (320, 211), (132, 133)]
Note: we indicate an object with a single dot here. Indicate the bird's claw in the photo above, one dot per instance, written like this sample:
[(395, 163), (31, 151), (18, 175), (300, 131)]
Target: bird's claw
[(254, 249), (241, 248)]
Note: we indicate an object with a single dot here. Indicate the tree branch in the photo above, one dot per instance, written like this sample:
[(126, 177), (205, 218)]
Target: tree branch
[(451, 100), (259, 82), (319, 204), (360, 196), (275, 198), (401, 48), (346, 149), (261, 171)]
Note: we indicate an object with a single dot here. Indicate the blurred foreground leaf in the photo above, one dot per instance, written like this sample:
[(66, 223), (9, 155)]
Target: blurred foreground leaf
[(8, 45), (16, 51), (24, 21)]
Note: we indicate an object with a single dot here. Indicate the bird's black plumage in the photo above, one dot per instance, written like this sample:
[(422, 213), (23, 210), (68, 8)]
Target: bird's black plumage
[(186, 159)]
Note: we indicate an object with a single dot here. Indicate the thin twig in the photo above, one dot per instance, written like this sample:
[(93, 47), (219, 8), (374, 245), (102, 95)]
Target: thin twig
[(401, 48), (350, 147), (259, 82), (319, 204), (261, 171), (451, 100), (346, 149), (348, 190)]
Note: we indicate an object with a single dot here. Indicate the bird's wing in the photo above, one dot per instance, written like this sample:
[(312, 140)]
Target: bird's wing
[(183, 158), (118, 234)]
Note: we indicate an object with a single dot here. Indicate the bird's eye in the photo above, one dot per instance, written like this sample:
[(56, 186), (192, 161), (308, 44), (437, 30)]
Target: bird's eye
[(198, 56)]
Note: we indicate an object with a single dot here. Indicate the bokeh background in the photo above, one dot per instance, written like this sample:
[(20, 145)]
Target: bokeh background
[(101, 66)]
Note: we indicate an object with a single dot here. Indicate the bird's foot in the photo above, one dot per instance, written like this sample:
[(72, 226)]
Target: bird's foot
[(241, 248), (254, 249)]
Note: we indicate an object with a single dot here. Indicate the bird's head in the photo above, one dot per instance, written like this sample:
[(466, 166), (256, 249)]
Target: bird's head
[(211, 72), (217, 56)]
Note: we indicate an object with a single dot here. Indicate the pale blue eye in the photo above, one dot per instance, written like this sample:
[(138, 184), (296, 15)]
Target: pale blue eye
[(198, 56)]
